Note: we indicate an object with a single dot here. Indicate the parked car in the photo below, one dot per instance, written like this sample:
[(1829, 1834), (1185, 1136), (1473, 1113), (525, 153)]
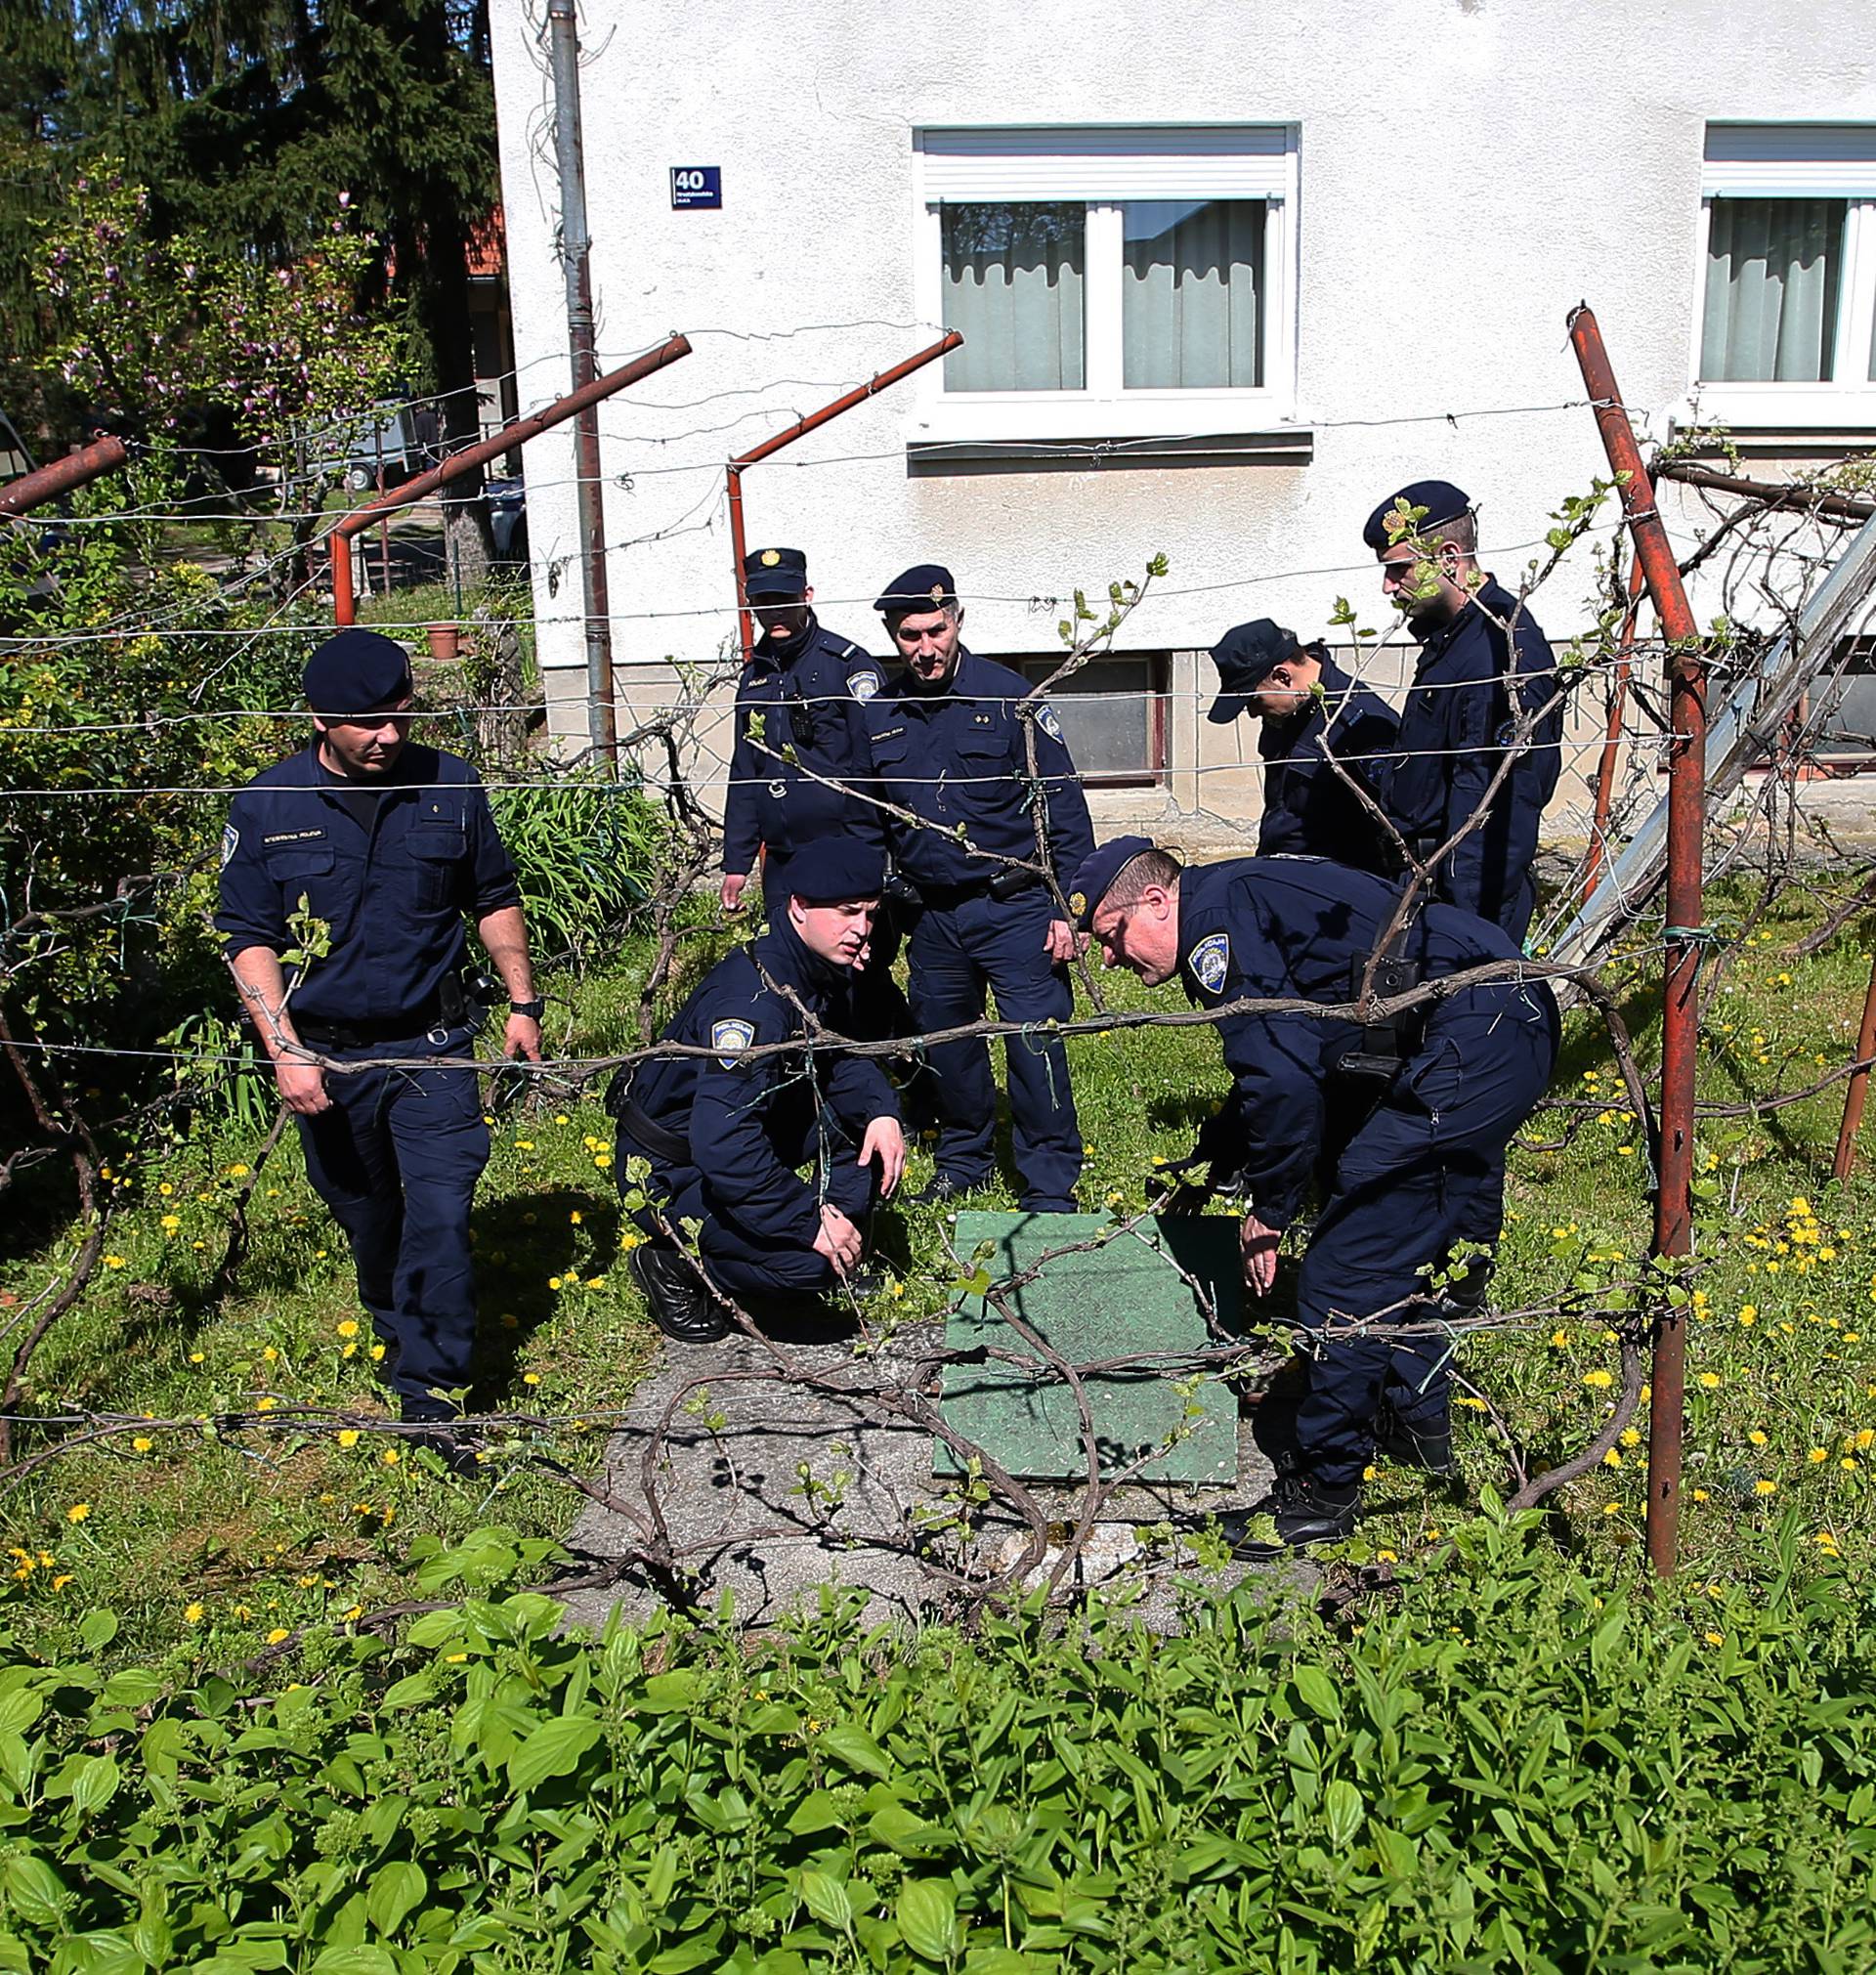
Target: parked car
[(396, 439)]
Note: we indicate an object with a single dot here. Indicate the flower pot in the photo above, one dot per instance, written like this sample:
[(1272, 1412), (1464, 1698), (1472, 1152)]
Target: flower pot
[(443, 643)]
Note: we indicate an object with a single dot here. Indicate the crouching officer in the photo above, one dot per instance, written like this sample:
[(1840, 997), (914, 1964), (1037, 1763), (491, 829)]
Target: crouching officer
[(1484, 668), (724, 1135), (949, 747), (1430, 1102), (1308, 809), (389, 844)]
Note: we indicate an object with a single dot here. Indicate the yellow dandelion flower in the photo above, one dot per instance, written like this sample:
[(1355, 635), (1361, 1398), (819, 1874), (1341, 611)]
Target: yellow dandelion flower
[(1699, 1494), (142, 1443), (1713, 1637), (1757, 1437), (77, 1512), (113, 1261), (348, 1326), (347, 1436), (1818, 1456), (531, 1378), (1762, 1488), (389, 1457), (193, 1613), (275, 1637), (1600, 1379)]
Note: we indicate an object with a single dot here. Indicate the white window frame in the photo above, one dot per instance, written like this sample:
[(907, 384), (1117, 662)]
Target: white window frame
[(1796, 160), (1104, 167)]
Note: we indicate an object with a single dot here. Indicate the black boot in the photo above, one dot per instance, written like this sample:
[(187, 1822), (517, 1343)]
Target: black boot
[(1305, 1511), (1429, 1447), (454, 1446), (683, 1307)]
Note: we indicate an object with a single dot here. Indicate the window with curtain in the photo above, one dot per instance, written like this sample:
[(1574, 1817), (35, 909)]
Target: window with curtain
[(1773, 266), (1190, 294), (1785, 304), (1013, 286)]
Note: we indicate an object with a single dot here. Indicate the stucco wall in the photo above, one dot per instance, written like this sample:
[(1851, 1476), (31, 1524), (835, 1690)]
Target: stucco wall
[(1469, 170)]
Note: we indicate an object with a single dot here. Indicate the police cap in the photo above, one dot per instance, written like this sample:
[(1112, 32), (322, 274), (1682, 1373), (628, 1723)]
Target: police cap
[(356, 672), (1443, 500), (833, 869), (924, 587), (775, 572), (1245, 656), (1096, 873)]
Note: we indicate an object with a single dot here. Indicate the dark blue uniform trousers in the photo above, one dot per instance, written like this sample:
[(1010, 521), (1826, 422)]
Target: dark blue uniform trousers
[(740, 1261), (1427, 1169), (954, 953), (397, 1158)]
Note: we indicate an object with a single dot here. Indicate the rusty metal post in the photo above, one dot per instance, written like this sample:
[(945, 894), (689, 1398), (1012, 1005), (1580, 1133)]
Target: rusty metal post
[(575, 251), (881, 381), (60, 476), (1858, 1085), (1681, 1000), (339, 536)]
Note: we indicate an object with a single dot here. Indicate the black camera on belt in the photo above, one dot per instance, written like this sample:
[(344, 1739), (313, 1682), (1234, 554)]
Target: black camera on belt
[(803, 722), (1011, 883), (1386, 1044)]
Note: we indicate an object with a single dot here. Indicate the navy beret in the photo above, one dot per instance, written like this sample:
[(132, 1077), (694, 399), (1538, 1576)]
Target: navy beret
[(356, 672), (833, 869), (1097, 871), (1245, 656), (775, 572), (1443, 500), (924, 587)]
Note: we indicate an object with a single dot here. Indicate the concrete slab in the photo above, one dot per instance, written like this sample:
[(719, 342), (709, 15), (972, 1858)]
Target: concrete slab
[(798, 1488)]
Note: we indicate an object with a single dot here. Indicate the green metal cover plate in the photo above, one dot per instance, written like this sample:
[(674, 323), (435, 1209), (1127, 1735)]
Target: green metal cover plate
[(1119, 1300)]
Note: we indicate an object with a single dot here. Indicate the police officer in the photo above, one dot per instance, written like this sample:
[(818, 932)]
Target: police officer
[(725, 1132), (1432, 1103), (389, 844), (797, 709), (949, 746), (1308, 809), (1484, 666)]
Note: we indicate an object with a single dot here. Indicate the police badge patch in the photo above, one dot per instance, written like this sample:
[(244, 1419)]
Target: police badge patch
[(862, 685), (1210, 960), (231, 842), (1045, 719), (731, 1037)]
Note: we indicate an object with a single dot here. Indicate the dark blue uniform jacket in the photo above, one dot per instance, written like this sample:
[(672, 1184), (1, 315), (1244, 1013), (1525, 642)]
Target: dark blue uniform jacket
[(1454, 729), (1308, 809), (957, 757), (810, 691), (736, 1113), (393, 894), (1298, 926)]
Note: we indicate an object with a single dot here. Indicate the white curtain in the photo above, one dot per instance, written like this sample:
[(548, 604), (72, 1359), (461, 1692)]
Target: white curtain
[(1772, 268), (1013, 278), (1190, 294)]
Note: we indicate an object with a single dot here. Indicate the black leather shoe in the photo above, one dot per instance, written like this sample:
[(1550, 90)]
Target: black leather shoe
[(1431, 1451), (1305, 1511), (453, 1445), (683, 1308)]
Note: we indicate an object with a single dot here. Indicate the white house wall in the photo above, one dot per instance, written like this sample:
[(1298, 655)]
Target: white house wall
[(1467, 172)]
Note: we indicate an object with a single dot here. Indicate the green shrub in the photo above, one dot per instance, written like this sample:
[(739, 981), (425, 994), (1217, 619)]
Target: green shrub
[(1516, 1765), (586, 853)]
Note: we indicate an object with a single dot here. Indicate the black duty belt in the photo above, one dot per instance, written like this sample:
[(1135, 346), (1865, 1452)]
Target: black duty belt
[(324, 1035), (670, 1148), (1009, 882)]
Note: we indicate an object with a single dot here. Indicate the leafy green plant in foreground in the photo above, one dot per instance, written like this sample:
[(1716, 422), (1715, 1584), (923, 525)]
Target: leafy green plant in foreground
[(1516, 1766)]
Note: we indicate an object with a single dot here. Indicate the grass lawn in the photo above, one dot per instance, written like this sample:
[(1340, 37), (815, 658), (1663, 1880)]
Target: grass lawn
[(204, 1546)]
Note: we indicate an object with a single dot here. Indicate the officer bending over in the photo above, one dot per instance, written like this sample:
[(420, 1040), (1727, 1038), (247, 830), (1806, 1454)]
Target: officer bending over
[(949, 746), (1308, 809), (390, 844), (1417, 1133), (1474, 683), (725, 1134)]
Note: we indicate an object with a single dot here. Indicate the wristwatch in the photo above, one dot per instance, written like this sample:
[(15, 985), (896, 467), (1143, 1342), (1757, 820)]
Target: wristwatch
[(534, 1009)]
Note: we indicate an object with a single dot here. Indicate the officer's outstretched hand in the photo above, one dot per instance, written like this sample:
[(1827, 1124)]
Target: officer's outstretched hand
[(730, 892), (302, 1087), (886, 1143), (522, 1038), (1259, 1245), (838, 1240), (1062, 942)]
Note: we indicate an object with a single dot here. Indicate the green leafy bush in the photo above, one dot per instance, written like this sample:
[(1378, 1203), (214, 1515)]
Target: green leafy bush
[(1514, 1765), (587, 852)]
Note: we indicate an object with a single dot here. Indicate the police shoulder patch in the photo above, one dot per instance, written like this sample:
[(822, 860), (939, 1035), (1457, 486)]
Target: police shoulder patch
[(1210, 960), (862, 685), (1045, 719), (231, 842), (730, 1037)]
